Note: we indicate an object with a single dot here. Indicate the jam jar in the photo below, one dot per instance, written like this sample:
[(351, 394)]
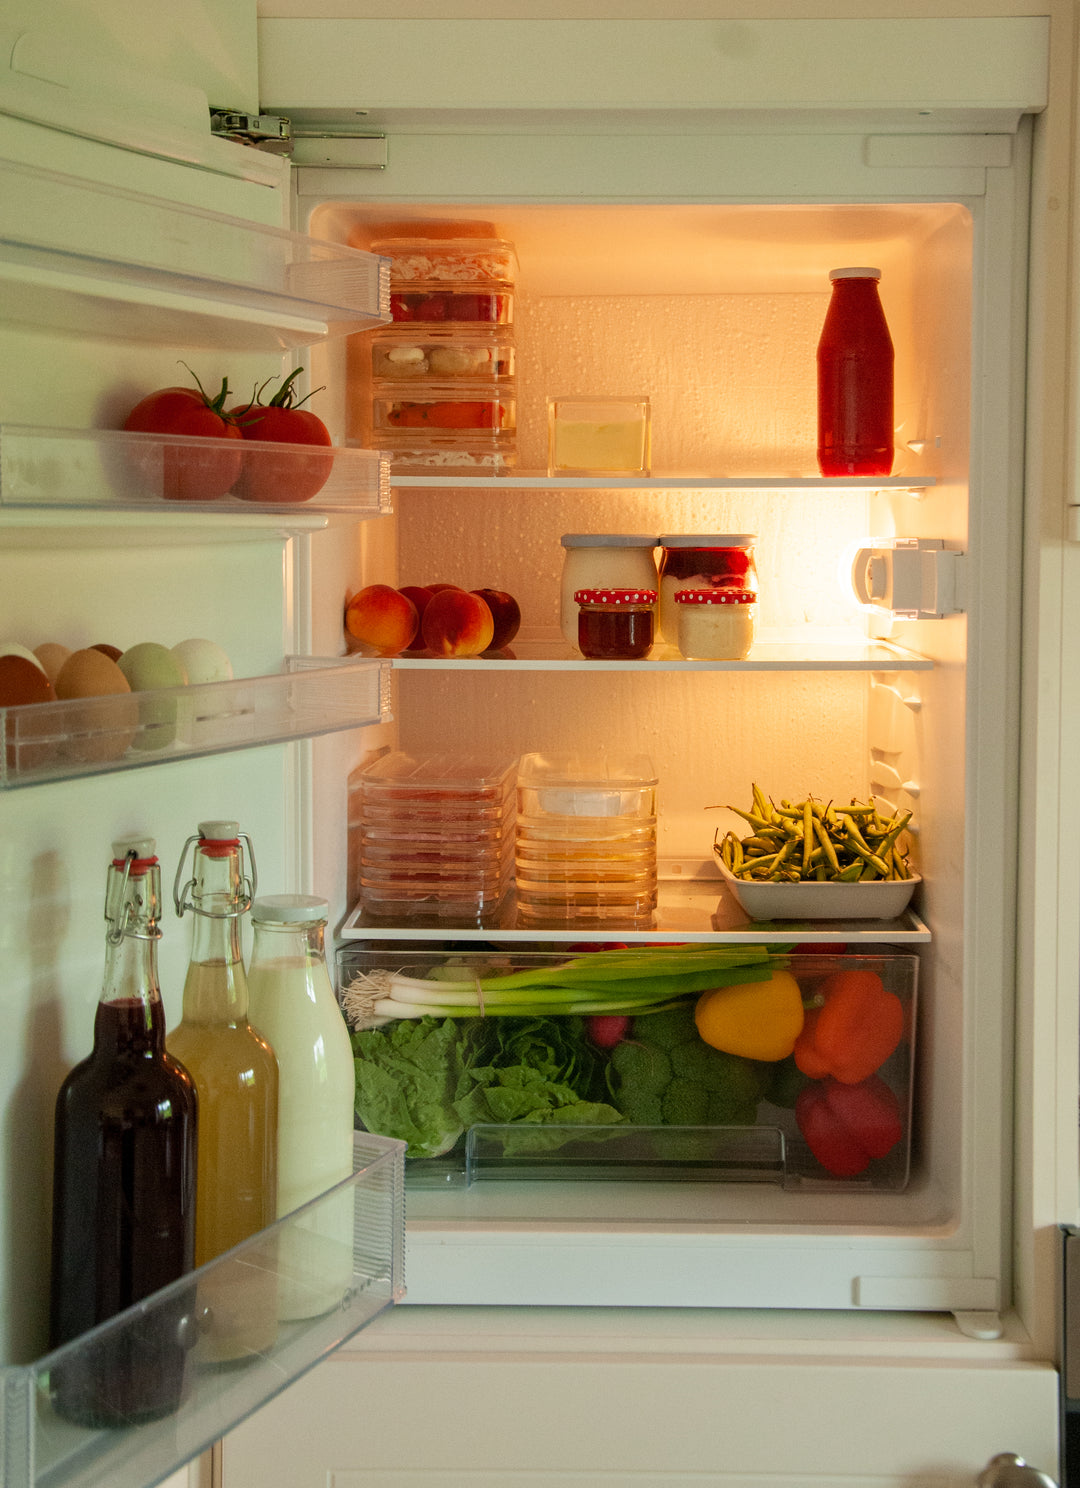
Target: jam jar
[(602, 560), (715, 624), (702, 561), (615, 624)]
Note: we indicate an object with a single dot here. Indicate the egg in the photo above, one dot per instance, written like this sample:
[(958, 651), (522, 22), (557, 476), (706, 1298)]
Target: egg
[(51, 656), (22, 682), (105, 730), (148, 667), (13, 648), (112, 652), (203, 661)]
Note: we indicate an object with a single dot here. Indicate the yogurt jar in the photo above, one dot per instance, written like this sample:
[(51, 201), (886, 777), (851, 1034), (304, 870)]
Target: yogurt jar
[(697, 560), (602, 560), (715, 624)]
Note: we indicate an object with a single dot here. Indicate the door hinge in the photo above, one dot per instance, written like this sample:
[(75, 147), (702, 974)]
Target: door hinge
[(269, 132)]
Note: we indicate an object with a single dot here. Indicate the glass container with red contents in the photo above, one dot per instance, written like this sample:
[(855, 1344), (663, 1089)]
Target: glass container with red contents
[(615, 624), (855, 379), (702, 561)]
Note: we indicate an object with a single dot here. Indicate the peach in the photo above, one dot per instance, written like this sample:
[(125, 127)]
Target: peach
[(419, 594), (379, 621), (505, 613), (457, 623)]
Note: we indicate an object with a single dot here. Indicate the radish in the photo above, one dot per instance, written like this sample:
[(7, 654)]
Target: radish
[(605, 1030)]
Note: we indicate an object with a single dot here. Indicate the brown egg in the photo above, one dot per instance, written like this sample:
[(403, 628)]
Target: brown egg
[(52, 656), (103, 731), (22, 682), (112, 652)]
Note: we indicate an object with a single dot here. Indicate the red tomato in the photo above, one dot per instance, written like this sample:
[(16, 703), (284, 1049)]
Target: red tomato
[(187, 473), (277, 475)]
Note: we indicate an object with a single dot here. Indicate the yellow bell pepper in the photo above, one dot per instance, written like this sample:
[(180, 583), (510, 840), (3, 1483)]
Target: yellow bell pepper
[(757, 1020)]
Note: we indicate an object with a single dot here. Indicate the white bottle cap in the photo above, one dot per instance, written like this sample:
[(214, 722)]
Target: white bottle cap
[(854, 274), (290, 909), (219, 831), (142, 847)]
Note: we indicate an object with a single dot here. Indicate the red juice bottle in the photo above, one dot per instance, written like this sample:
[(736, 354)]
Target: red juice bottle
[(855, 379), (124, 1178)]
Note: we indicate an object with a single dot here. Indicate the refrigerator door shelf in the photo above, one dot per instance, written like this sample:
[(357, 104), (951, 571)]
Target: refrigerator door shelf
[(690, 909), (64, 740), (66, 262), (352, 1236), (115, 470)]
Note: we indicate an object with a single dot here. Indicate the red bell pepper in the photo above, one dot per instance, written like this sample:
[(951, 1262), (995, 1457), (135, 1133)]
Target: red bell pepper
[(853, 1032), (847, 1126)]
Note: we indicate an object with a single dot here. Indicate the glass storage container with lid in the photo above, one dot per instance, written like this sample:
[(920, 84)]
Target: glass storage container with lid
[(615, 624), (602, 560), (430, 353), (702, 561), (715, 624), (586, 839)]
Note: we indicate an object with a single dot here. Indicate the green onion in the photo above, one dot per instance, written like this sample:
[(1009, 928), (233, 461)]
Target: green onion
[(629, 981)]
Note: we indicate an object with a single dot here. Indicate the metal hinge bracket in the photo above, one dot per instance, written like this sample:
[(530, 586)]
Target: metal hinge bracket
[(269, 132)]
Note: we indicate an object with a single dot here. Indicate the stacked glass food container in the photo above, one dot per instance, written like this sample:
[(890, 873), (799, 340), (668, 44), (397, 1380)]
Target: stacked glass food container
[(442, 375), (436, 835), (586, 839)]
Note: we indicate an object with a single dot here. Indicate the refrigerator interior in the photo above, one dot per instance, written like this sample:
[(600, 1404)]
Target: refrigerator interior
[(713, 310)]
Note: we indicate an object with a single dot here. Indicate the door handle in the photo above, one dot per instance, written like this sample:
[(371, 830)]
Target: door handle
[(1007, 1470)]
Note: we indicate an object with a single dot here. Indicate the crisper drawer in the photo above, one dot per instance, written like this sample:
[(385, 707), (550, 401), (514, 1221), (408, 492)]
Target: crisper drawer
[(140, 1395), (672, 1064)]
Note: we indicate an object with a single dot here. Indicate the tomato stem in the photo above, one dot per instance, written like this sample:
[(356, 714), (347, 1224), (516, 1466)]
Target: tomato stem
[(216, 405)]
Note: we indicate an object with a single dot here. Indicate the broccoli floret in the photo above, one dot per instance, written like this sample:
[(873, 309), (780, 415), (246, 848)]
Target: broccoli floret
[(638, 1075), (664, 1074)]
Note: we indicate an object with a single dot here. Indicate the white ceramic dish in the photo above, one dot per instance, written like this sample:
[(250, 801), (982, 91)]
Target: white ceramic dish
[(880, 899)]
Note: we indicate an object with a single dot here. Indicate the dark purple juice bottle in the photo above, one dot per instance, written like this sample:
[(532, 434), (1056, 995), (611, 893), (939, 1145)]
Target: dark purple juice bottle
[(124, 1179)]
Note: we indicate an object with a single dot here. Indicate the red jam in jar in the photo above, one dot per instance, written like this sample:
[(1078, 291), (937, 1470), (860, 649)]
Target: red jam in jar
[(615, 624)]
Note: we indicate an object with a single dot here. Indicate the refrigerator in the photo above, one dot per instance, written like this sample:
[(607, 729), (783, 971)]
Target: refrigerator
[(676, 189)]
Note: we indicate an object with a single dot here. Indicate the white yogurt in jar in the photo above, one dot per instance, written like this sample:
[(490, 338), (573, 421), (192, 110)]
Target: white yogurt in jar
[(715, 624), (602, 560)]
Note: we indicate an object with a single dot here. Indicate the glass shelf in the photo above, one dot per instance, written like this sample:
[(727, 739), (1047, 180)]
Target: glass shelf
[(64, 740), (536, 480), (766, 656), (117, 471), (690, 909), (350, 1242), (67, 261)]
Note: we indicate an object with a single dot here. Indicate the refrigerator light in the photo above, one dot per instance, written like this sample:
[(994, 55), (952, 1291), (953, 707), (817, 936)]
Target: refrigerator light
[(908, 578)]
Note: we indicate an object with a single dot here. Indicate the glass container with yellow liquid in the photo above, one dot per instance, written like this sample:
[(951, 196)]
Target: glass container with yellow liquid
[(236, 1078)]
